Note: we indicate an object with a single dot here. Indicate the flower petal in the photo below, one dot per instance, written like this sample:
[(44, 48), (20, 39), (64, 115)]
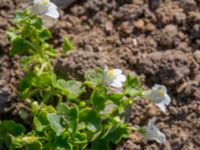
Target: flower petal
[(152, 121), (121, 78), (117, 72), (167, 99), (161, 137), (153, 133), (106, 69), (161, 106), (53, 14), (158, 86), (116, 84), (52, 6)]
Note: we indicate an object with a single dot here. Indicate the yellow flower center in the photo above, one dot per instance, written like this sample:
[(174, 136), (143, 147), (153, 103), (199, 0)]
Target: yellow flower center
[(110, 72), (161, 93), (45, 2)]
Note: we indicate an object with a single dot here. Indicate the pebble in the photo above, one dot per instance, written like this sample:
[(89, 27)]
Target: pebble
[(197, 56), (180, 18), (139, 24), (135, 42), (150, 27), (189, 5), (2, 82), (153, 4)]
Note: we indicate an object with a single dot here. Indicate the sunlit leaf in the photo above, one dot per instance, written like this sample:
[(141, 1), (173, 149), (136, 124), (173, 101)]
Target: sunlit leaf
[(72, 89), (67, 45), (55, 123), (70, 114), (94, 77)]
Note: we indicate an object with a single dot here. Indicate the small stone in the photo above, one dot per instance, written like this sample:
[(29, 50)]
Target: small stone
[(2, 82), (150, 27), (135, 42), (197, 56), (109, 27), (180, 18), (124, 27), (3, 23), (139, 24), (152, 110), (136, 137), (153, 4), (189, 5)]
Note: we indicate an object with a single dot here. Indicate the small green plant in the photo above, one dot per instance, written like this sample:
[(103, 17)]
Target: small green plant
[(70, 114)]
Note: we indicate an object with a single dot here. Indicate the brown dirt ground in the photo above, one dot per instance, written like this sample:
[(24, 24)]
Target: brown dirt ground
[(158, 40)]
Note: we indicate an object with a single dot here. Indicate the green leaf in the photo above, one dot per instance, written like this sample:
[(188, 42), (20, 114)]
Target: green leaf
[(133, 86), (31, 80), (80, 138), (115, 133), (34, 146), (91, 119), (40, 120), (67, 45), (116, 98), (26, 62), (73, 114), (72, 89), (63, 109), (98, 97), (39, 124), (11, 34), (108, 109), (19, 46), (61, 143), (45, 34), (26, 82), (94, 77), (45, 79), (19, 16), (100, 145), (37, 22), (27, 142), (55, 123), (8, 128), (70, 114), (12, 128)]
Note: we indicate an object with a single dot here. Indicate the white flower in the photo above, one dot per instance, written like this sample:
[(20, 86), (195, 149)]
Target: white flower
[(114, 77), (158, 95), (44, 7), (153, 133)]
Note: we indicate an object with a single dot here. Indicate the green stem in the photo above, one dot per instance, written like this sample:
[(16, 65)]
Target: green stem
[(42, 68)]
